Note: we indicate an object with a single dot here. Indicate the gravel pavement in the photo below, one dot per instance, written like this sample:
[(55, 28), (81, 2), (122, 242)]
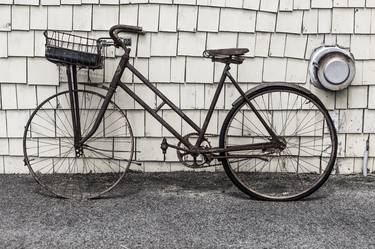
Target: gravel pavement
[(187, 210)]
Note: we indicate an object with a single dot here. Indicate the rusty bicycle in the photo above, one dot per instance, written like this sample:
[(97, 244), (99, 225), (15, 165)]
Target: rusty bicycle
[(278, 141)]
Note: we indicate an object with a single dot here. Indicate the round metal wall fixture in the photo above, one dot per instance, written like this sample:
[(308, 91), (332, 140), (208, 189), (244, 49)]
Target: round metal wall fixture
[(331, 68)]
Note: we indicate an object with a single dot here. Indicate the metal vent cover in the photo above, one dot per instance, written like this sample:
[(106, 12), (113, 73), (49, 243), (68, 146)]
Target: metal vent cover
[(331, 68)]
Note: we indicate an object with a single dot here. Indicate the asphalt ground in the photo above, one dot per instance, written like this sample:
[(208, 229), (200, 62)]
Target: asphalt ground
[(187, 210)]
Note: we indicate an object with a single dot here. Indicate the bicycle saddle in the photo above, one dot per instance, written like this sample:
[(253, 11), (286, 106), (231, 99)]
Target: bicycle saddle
[(227, 55)]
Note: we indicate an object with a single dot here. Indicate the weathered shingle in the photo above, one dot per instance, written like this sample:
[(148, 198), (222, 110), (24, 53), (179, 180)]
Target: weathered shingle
[(363, 21), (8, 97), (4, 42), (208, 19), (187, 18), (149, 17), (321, 4), (104, 17), (42, 72), (199, 70), (253, 75), (262, 44), (310, 22), (27, 2), (28, 99), (191, 43), (274, 69), (301, 4), (129, 14), (296, 71), (324, 21), (234, 4), (218, 3), (144, 45), (235, 20), (5, 18), (38, 17), (253, 5), (178, 69), (19, 17), (286, 5), (21, 43), (343, 21), (295, 46), (160, 69), (360, 46), (266, 22), (221, 40), (164, 44), (82, 18), (277, 45), (60, 17), (269, 5), (168, 18), (289, 22), (13, 65)]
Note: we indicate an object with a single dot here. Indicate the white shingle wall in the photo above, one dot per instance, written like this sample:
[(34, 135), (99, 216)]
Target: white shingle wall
[(281, 35)]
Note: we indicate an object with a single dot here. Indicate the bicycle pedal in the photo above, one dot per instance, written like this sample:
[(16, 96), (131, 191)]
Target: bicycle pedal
[(164, 145)]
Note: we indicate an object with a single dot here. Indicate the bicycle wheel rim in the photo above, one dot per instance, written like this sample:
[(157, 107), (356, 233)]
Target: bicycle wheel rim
[(254, 191), (108, 179)]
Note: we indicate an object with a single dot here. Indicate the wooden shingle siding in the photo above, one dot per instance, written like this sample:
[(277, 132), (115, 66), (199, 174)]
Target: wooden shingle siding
[(280, 34)]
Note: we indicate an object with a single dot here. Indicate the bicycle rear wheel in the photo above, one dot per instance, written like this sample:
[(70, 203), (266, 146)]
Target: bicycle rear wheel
[(301, 121), (50, 154)]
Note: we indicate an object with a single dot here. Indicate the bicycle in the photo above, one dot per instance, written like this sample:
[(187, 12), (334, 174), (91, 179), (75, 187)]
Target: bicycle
[(277, 142)]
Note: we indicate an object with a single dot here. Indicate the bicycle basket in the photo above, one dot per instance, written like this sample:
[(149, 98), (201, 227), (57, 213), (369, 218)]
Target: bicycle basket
[(67, 49)]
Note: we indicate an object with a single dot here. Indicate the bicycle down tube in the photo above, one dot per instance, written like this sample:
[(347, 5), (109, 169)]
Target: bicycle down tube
[(124, 63)]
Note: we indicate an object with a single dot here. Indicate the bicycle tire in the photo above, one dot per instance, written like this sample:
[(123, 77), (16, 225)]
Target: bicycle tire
[(254, 190), (59, 171)]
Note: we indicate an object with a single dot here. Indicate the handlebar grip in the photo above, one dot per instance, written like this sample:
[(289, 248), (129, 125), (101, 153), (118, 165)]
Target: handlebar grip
[(116, 29)]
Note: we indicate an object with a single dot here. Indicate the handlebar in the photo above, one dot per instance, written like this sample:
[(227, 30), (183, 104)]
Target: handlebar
[(115, 30)]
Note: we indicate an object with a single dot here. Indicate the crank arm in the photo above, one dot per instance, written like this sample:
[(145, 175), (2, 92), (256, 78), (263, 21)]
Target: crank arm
[(178, 148)]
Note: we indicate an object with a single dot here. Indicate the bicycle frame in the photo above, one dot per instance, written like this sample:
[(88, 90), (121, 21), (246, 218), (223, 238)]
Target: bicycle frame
[(116, 82)]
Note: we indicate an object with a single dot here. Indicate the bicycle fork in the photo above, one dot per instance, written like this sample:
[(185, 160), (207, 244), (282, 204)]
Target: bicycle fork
[(71, 72)]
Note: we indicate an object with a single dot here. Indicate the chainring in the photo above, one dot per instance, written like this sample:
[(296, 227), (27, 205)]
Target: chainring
[(188, 159)]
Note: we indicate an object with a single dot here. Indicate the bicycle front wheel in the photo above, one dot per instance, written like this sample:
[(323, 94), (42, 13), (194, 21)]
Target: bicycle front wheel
[(62, 168), (301, 122)]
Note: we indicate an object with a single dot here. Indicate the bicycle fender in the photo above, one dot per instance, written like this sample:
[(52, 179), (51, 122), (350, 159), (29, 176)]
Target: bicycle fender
[(254, 90)]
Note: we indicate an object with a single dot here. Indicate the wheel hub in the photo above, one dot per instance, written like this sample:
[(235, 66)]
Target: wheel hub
[(283, 143), (279, 147), (79, 151)]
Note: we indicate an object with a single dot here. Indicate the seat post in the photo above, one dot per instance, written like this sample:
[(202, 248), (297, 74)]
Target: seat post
[(226, 69)]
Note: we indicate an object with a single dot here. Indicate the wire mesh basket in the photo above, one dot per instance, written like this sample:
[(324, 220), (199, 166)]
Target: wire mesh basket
[(68, 49)]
